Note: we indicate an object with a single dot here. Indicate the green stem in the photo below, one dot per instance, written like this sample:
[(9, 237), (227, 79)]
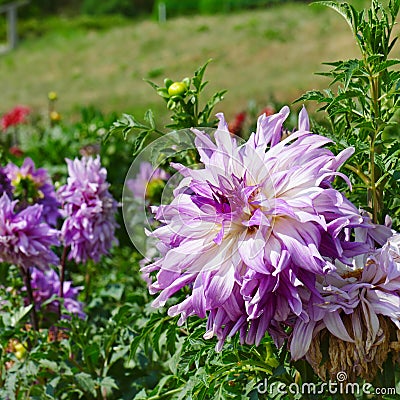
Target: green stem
[(62, 279), (26, 274), (374, 195), (376, 106), (88, 279), (160, 396), (359, 173)]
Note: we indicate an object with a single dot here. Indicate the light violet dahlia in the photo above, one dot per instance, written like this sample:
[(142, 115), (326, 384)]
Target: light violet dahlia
[(24, 239), (46, 285), (252, 228), (34, 186), (89, 210), (358, 317), (5, 183), (148, 178)]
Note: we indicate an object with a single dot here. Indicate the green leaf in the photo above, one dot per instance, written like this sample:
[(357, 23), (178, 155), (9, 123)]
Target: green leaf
[(86, 383), (152, 84), (171, 338), (20, 314), (214, 100), (108, 382), (52, 365), (156, 337), (139, 142), (346, 10), (137, 340), (142, 395), (149, 117), (125, 125), (198, 76), (385, 65)]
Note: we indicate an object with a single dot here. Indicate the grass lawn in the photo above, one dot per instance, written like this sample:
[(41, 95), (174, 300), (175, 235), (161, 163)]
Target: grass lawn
[(257, 55)]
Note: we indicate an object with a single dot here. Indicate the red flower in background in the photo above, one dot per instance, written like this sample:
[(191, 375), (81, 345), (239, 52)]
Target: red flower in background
[(268, 110), (16, 151), (15, 117), (236, 126)]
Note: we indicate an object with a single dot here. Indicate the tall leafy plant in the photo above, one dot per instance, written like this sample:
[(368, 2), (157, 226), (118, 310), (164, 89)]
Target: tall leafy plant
[(361, 104)]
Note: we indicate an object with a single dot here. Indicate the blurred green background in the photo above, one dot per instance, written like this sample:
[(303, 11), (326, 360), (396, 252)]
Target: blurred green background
[(96, 53)]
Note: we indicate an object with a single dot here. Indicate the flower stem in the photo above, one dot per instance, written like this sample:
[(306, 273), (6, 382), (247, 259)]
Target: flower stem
[(376, 108), (26, 274), (62, 279), (88, 276)]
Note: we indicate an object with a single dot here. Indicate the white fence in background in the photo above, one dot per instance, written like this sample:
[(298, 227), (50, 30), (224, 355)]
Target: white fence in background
[(10, 10)]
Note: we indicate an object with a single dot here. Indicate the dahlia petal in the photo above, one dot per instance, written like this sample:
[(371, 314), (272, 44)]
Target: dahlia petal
[(251, 249), (301, 339), (335, 325), (304, 121), (269, 129)]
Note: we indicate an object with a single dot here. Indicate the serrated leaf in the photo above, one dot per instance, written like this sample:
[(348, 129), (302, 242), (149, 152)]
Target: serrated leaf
[(171, 338), (149, 117), (20, 314), (385, 65), (152, 84), (142, 395), (138, 143), (125, 125), (108, 382), (198, 76), (52, 365), (134, 346), (86, 383), (156, 337), (346, 10), (313, 95)]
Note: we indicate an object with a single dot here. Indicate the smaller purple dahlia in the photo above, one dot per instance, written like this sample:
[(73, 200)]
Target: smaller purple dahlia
[(147, 181), (34, 186), (24, 239), (46, 284), (5, 184), (89, 209)]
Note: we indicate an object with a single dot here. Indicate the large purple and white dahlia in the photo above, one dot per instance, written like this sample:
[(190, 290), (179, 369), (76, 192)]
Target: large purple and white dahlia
[(253, 228)]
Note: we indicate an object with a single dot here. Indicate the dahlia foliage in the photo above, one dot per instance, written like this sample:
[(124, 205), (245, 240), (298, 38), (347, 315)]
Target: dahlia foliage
[(266, 244)]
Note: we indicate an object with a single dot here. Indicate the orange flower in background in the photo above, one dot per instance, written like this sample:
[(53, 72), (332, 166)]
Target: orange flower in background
[(14, 117)]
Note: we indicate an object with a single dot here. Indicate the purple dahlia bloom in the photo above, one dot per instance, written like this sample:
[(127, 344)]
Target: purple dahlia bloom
[(5, 184), (89, 209), (41, 189), (147, 175), (24, 239), (245, 232), (46, 284)]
